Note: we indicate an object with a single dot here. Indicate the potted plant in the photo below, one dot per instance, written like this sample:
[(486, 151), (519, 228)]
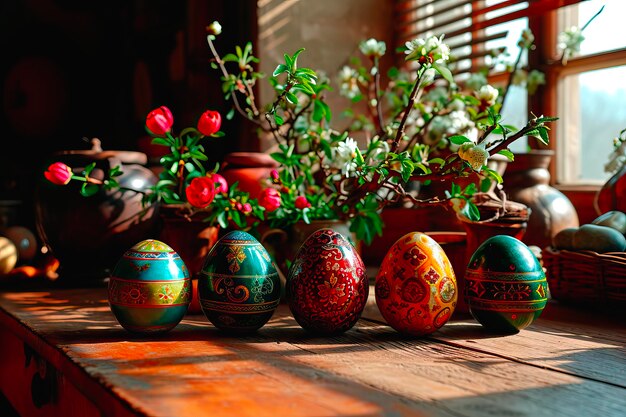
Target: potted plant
[(193, 201)]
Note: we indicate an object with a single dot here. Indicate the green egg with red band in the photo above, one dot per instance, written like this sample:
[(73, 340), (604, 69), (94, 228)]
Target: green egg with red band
[(150, 288), (506, 287)]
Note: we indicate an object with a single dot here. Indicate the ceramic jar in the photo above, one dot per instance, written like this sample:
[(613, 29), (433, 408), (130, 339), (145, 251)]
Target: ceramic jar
[(88, 234), (527, 180)]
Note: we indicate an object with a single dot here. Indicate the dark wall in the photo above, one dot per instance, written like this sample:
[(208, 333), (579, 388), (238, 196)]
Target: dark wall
[(74, 69)]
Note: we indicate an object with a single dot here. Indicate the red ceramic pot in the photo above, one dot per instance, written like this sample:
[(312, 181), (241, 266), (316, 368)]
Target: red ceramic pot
[(249, 169)]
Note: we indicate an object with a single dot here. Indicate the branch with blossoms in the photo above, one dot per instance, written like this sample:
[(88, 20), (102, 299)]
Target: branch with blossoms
[(412, 163)]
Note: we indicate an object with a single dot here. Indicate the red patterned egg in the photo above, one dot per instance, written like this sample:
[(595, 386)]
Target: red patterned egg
[(416, 289), (327, 287)]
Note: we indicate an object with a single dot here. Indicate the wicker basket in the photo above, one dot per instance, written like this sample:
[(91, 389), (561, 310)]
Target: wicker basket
[(587, 277)]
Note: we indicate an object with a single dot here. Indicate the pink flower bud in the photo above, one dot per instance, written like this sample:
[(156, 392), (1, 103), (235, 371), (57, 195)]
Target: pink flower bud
[(210, 122), (58, 173), (247, 208), (221, 185), (302, 202), (274, 175), (159, 121), (239, 206), (270, 199)]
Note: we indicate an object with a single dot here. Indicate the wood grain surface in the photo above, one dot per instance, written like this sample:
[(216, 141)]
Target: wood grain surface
[(559, 366)]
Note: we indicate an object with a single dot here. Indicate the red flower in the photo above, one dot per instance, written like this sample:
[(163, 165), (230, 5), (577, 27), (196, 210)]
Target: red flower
[(58, 173), (302, 202), (221, 185), (159, 121), (270, 199), (200, 192), (209, 123)]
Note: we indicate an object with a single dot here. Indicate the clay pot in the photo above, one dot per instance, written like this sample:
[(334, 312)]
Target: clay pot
[(88, 234), (249, 169), (612, 195), (191, 238), (527, 180)]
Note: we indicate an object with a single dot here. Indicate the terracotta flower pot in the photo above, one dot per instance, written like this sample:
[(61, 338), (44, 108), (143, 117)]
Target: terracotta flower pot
[(249, 169), (191, 238)]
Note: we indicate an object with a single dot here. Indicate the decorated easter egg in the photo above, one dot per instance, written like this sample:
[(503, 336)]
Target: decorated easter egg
[(8, 255), (239, 287), (416, 289), (149, 289), (327, 286), (506, 288)]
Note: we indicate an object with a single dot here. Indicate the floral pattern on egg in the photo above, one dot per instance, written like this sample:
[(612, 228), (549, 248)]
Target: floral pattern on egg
[(327, 287), (416, 289)]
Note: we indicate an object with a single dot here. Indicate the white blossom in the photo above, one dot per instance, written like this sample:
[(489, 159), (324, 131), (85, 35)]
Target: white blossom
[(432, 46), (488, 94), (214, 28), (349, 82), (373, 48), (569, 42)]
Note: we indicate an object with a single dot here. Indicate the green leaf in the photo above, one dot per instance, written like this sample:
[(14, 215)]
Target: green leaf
[(219, 134), (304, 87), (280, 157), (438, 161), (492, 174), (230, 114), (508, 154), (89, 168), (294, 59), (160, 141), (543, 134), (485, 185), (458, 139), (291, 98), (279, 69), (288, 61), (88, 189), (471, 211), (445, 72), (222, 219), (278, 120)]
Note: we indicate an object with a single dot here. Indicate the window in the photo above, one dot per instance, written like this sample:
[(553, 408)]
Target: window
[(591, 92)]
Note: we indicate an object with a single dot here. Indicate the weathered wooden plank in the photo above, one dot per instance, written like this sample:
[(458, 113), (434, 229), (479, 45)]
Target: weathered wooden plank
[(564, 339), (281, 370)]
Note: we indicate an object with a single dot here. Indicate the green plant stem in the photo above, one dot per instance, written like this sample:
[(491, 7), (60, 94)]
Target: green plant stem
[(530, 126), (100, 182), (226, 74), (378, 113)]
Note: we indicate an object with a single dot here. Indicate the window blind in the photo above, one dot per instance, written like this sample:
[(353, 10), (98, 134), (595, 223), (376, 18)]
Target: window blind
[(469, 26)]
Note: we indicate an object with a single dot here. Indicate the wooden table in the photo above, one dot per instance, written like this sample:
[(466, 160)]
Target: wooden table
[(64, 354)]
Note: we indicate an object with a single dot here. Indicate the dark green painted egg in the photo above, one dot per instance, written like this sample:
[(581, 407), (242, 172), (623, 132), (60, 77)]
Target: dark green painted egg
[(506, 288), (239, 288), (149, 289)]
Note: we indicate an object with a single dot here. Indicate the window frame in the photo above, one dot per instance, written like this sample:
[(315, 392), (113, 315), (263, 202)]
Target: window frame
[(545, 101)]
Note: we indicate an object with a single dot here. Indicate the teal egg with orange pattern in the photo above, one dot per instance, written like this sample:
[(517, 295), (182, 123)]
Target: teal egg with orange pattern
[(505, 286), (238, 287), (149, 288)]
